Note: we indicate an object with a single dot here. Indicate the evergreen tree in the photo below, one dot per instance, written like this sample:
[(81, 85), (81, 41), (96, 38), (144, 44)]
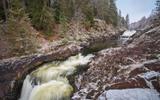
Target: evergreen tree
[(41, 14), (119, 18), (101, 8), (44, 14), (127, 21), (113, 13), (87, 10), (158, 8)]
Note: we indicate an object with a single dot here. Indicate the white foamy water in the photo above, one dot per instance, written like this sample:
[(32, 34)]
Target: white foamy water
[(26, 89), (129, 33), (53, 90), (126, 36), (49, 82)]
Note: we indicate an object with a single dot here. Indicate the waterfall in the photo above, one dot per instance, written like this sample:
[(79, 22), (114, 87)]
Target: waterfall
[(50, 82), (53, 90), (126, 36), (27, 88)]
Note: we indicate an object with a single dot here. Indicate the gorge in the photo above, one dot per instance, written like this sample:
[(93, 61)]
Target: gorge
[(79, 50)]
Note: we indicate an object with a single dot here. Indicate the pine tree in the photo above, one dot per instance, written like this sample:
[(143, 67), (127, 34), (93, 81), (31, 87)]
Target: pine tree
[(44, 14), (41, 14), (119, 18), (113, 13), (127, 21), (158, 7)]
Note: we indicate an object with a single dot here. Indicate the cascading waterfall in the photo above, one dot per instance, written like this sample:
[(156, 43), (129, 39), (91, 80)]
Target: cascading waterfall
[(50, 82), (126, 36)]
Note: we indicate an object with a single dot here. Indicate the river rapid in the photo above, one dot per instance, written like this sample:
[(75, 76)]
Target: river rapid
[(50, 82)]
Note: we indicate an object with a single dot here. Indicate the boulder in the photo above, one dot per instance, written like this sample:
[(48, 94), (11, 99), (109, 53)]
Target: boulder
[(130, 94)]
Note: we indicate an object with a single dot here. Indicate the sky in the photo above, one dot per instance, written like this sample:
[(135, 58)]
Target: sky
[(136, 8)]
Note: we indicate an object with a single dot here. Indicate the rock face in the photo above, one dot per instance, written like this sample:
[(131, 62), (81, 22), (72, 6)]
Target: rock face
[(136, 65), (143, 23), (139, 25)]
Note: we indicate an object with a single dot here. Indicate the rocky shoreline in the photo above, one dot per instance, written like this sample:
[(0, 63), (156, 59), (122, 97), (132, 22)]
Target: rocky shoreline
[(136, 65)]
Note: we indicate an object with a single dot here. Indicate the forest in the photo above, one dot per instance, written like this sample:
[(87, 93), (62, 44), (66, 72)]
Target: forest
[(44, 14)]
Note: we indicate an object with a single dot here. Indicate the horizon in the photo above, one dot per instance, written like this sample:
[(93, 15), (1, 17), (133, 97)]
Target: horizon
[(136, 8)]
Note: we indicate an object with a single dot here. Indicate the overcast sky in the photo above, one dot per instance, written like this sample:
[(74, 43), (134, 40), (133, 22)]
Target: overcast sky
[(136, 8)]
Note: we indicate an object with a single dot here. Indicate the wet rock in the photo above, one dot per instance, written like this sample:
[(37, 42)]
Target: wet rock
[(156, 84), (136, 82), (153, 66)]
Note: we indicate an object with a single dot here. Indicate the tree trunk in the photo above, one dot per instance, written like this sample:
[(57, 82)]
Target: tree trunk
[(24, 4), (5, 9)]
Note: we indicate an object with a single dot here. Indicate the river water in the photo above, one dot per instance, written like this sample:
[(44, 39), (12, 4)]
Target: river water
[(50, 82)]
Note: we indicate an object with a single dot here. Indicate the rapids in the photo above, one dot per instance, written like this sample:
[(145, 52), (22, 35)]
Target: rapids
[(50, 82)]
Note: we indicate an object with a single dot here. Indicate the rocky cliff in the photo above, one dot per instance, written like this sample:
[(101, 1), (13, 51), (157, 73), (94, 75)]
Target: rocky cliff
[(143, 23)]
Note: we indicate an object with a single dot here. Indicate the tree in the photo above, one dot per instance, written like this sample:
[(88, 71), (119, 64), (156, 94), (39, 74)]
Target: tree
[(41, 14), (119, 18), (158, 7), (45, 14), (101, 9), (113, 13), (87, 10), (127, 21), (5, 9)]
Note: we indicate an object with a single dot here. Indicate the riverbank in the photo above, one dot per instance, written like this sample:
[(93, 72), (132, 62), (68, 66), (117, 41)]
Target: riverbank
[(21, 44), (135, 65)]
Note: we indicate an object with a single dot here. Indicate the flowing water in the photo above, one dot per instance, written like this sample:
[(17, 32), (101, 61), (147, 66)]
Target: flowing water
[(50, 82), (126, 36)]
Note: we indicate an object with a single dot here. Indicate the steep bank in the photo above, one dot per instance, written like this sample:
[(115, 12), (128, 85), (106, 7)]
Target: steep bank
[(100, 32), (26, 41)]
